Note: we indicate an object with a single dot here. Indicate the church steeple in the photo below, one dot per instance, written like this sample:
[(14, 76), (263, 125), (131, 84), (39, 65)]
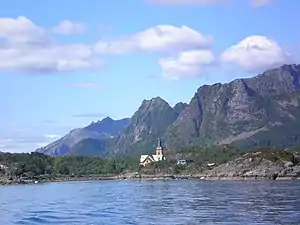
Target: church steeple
[(158, 143), (159, 149)]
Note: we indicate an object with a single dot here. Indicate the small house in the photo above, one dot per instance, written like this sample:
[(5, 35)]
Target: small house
[(184, 162)]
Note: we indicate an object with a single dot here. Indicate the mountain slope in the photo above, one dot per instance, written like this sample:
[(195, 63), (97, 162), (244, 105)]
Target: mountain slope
[(240, 111), (98, 132), (149, 122), (108, 126), (89, 147)]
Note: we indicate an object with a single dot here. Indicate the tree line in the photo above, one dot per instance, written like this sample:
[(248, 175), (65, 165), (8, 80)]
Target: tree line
[(37, 164)]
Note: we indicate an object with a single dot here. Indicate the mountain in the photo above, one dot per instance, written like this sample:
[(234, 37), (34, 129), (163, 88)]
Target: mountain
[(179, 107), (259, 111), (79, 141), (148, 123), (262, 111)]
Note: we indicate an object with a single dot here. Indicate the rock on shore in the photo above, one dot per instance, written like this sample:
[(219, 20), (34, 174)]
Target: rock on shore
[(259, 164), (7, 181), (138, 176)]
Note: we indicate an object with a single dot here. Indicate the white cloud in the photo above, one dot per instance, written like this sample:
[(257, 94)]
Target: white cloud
[(85, 85), (56, 58), (26, 47), (256, 53), (18, 144), (68, 27), (161, 38), (186, 64), (190, 46), (27, 141), (20, 30)]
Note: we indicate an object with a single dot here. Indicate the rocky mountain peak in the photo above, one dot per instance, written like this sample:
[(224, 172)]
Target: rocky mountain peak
[(284, 79), (179, 107), (150, 121), (241, 109), (153, 102)]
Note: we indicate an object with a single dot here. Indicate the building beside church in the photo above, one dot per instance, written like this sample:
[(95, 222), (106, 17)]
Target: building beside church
[(159, 155)]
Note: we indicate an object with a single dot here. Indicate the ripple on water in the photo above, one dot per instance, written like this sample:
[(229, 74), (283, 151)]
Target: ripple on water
[(158, 202)]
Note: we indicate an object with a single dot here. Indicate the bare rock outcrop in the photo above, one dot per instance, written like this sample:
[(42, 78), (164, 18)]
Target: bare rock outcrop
[(259, 164)]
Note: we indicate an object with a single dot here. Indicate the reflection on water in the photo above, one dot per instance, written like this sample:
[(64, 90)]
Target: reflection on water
[(152, 202)]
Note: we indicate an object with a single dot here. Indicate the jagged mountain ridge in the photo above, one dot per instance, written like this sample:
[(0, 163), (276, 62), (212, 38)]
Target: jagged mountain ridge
[(149, 122), (237, 113), (97, 133), (245, 112), (232, 113)]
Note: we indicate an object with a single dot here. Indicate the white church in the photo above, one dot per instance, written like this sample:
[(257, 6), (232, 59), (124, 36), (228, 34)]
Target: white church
[(159, 156)]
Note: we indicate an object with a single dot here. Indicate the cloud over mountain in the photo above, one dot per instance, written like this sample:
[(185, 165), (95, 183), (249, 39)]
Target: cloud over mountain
[(256, 53), (187, 64)]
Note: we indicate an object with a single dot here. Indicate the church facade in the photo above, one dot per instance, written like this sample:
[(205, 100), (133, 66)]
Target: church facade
[(159, 155)]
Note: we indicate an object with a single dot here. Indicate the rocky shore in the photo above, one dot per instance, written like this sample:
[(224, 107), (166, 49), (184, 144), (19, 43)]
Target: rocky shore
[(14, 181), (206, 177), (142, 177), (260, 164)]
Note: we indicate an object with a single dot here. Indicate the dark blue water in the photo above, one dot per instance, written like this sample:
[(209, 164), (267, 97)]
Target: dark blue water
[(152, 202)]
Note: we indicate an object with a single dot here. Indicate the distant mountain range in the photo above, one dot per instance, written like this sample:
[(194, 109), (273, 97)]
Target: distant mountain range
[(90, 140), (262, 111)]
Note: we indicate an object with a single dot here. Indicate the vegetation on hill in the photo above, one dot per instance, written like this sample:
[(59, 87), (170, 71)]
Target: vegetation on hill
[(37, 165), (40, 166), (198, 159)]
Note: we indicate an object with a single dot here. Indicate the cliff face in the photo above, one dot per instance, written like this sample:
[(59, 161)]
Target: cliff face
[(234, 112), (149, 122)]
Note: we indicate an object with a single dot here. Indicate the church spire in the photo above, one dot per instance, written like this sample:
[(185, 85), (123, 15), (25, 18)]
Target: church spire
[(159, 149), (158, 143)]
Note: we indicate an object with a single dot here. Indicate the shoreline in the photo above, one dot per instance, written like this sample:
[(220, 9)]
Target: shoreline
[(144, 177)]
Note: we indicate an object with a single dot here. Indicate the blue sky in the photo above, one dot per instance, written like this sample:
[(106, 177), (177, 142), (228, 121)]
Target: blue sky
[(64, 64)]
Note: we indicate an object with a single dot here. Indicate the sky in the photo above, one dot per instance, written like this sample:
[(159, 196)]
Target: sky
[(64, 64)]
